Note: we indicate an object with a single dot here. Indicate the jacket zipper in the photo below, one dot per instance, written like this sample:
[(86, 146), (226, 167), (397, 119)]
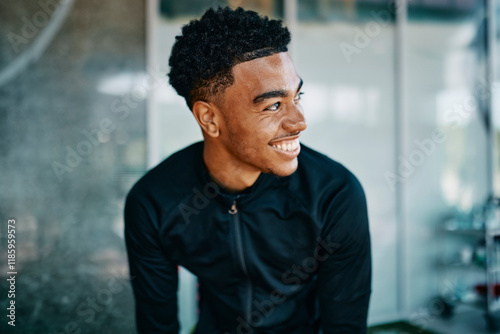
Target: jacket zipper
[(239, 247)]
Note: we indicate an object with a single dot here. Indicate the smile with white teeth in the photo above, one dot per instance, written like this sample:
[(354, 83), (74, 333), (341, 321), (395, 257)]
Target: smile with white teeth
[(288, 145)]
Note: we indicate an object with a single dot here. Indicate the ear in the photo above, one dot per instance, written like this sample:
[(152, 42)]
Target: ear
[(206, 116)]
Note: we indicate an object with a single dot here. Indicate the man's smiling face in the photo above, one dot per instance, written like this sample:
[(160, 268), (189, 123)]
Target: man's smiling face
[(262, 115)]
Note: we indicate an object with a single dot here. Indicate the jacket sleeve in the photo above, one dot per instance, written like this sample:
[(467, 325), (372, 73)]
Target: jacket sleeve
[(154, 277), (344, 274)]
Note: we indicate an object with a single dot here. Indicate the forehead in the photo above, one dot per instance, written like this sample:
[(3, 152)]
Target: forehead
[(260, 75)]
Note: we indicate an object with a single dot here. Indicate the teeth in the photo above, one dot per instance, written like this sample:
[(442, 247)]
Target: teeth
[(287, 147)]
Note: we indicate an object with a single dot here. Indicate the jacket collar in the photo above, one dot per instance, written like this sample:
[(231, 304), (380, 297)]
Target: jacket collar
[(263, 182)]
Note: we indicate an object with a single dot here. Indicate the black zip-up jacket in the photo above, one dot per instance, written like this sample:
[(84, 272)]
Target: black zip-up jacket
[(287, 255)]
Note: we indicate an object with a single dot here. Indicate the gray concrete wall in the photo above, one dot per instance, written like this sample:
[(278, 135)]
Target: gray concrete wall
[(71, 145)]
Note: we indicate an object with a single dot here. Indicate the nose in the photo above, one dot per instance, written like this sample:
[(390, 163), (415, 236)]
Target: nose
[(294, 120)]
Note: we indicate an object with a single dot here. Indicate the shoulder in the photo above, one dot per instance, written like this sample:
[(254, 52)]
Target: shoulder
[(170, 178), (325, 175), (334, 193)]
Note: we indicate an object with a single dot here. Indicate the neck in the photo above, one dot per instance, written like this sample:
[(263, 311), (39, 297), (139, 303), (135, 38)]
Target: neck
[(226, 170)]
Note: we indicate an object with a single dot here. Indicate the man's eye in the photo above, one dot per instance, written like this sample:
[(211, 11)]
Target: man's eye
[(274, 107), (299, 96)]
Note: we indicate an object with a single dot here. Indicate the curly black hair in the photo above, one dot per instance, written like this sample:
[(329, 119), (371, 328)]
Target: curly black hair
[(203, 56)]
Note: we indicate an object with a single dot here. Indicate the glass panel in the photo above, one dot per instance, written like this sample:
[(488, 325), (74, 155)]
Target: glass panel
[(445, 163), (496, 101), (330, 10), (346, 60), (193, 8), (442, 10)]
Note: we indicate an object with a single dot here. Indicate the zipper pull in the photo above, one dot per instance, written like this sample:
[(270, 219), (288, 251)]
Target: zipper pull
[(233, 209)]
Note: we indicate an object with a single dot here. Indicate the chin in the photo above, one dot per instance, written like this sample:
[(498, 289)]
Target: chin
[(284, 169)]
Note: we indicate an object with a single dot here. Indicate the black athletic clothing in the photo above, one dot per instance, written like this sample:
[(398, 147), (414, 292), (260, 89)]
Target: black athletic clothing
[(287, 255)]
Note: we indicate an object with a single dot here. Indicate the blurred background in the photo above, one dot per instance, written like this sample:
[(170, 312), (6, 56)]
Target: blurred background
[(404, 93)]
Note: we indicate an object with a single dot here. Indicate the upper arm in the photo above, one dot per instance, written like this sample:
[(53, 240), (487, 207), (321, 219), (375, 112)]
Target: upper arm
[(344, 276), (154, 276)]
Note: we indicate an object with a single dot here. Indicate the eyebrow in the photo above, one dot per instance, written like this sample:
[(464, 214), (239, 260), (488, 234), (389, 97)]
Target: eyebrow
[(274, 93)]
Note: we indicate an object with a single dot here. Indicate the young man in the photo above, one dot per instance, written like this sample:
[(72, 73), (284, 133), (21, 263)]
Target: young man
[(276, 233)]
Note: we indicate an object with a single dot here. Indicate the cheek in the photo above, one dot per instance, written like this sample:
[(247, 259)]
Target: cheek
[(250, 147), (269, 128), (251, 136), (259, 138)]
